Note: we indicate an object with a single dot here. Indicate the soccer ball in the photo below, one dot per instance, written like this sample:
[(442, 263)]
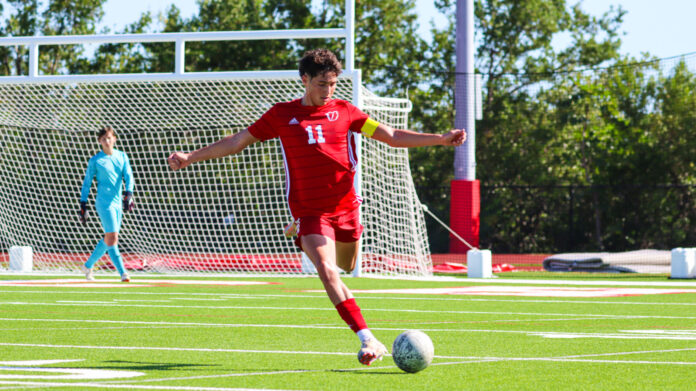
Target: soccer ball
[(412, 351)]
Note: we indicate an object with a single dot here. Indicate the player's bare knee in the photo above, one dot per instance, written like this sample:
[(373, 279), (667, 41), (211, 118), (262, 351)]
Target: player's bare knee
[(326, 271), (111, 239), (346, 255), (325, 268), (347, 266)]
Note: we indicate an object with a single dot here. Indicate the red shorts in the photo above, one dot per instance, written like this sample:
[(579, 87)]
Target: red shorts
[(341, 228)]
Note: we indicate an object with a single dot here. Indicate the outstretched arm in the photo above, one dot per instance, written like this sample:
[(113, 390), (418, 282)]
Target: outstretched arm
[(86, 185), (408, 138), (229, 145)]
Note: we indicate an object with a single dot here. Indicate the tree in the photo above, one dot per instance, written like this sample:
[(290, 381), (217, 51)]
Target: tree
[(574, 126), (60, 17), (23, 22), (517, 59)]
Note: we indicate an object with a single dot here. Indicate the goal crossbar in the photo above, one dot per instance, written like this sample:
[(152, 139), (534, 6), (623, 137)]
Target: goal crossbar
[(219, 217), (180, 39)]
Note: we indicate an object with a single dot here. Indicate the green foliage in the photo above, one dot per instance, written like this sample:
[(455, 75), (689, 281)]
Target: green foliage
[(556, 140), (548, 123), (22, 23), (59, 17)]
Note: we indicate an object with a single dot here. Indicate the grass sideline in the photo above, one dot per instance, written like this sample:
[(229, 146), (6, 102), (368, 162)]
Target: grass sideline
[(288, 336)]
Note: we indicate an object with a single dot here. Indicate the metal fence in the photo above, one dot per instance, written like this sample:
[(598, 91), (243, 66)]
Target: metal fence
[(523, 219)]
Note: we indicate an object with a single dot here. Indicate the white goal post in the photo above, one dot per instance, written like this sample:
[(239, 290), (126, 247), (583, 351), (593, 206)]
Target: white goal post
[(220, 216)]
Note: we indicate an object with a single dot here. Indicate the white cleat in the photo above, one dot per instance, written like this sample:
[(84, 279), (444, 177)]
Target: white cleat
[(371, 351), (89, 274), (125, 277), (290, 230)]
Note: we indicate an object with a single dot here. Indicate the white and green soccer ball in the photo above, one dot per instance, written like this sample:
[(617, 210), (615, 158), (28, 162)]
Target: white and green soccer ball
[(413, 351)]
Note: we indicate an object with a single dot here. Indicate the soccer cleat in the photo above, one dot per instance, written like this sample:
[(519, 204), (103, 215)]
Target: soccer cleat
[(89, 275), (125, 277), (371, 351), (290, 229)]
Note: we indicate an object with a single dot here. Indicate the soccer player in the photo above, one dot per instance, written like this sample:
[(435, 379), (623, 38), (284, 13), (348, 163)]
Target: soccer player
[(111, 167), (316, 133)]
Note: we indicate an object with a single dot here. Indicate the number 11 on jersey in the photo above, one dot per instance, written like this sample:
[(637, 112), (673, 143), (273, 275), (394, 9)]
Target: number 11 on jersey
[(320, 135)]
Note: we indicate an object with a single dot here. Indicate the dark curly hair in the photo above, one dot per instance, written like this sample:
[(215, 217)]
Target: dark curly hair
[(319, 61), (105, 130)]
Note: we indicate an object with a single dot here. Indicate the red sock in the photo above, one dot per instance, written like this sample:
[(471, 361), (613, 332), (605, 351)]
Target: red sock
[(350, 313)]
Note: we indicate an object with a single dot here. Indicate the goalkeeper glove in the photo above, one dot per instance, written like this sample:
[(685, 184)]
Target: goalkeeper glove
[(128, 203), (83, 212)]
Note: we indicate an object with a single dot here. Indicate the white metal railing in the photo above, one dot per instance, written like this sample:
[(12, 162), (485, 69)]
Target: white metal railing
[(179, 39)]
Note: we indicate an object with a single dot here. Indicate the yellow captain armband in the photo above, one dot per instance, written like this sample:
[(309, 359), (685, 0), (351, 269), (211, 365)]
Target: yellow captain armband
[(369, 127)]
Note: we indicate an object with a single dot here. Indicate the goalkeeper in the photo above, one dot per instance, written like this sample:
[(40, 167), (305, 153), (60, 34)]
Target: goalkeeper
[(316, 133), (111, 167)]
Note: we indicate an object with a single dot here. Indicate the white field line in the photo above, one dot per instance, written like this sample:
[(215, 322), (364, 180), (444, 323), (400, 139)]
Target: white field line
[(235, 325), (125, 301), (628, 362), (306, 326), (543, 334), (610, 316), (466, 360), (186, 299), (439, 298), (581, 358), (575, 358), (131, 383), (322, 296), (263, 373), (124, 293), (513, 281), (197, 324), (158, 348), (555, 360), (568, 335), (579, 318), (143, 327), (116, 301), (688, 284), (570, 357), (556, 301), (132, 386), (629, 353), (631, 334), (362, 368), (670, 332)]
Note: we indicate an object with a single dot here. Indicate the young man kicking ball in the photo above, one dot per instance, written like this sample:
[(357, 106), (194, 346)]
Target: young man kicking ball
[(316, 134)]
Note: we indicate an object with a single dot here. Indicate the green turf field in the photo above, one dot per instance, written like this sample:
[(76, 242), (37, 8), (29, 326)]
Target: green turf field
[(521, 333)]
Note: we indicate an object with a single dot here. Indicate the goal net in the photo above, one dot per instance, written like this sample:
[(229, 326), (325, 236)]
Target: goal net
[(220, 216)]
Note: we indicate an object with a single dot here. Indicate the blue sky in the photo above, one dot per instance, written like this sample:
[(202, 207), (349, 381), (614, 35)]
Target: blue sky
[(665, 28)]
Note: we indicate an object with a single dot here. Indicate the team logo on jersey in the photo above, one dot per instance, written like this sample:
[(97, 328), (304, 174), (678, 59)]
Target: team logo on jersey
[(332, 115), (293, 121)]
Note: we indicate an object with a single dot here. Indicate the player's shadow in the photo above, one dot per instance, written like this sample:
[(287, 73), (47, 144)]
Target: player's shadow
[(152, 366)]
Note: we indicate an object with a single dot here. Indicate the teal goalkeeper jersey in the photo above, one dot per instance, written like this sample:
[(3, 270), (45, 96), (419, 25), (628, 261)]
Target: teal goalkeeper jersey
[(110, 171)]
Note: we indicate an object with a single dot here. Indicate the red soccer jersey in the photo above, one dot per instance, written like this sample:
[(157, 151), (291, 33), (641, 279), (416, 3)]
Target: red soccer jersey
[(319, 154)]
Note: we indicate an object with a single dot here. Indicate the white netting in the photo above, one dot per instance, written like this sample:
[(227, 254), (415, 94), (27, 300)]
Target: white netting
[(225, 215)]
